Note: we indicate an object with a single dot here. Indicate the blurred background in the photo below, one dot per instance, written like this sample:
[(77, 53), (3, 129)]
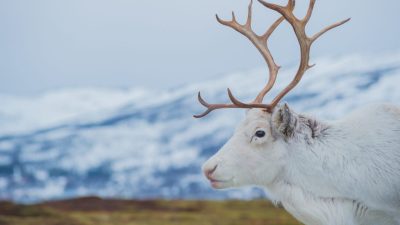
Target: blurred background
[(97, 96)]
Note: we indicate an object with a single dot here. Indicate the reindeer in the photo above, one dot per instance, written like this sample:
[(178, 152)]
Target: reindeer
[(344, 172)]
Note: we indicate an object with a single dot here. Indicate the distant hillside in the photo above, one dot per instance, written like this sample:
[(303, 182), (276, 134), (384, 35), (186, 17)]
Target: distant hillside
[(146, 144)]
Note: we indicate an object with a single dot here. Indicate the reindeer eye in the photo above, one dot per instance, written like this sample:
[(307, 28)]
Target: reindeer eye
[(260, 133)]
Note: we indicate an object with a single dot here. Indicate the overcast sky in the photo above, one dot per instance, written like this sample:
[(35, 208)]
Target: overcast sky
[(51, 44)]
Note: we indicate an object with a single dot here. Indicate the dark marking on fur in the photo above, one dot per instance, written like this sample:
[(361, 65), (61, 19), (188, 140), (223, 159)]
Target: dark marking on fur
[(291, 125), (359, 209), (312, 127)]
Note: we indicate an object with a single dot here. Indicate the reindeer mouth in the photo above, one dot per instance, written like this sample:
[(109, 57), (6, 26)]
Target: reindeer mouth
[(219, 183)]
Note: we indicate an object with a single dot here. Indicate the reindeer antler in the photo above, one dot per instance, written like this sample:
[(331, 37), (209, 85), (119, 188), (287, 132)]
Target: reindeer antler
[(260, 42)]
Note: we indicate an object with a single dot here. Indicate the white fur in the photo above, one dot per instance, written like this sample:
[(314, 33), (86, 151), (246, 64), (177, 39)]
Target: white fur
[(344, 172)]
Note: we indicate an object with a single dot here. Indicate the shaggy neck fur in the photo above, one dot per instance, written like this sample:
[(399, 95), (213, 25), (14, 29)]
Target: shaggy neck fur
[(317, 203), (302, 204)]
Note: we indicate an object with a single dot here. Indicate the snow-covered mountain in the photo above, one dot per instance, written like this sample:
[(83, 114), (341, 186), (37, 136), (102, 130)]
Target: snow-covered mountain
[(146, 144)]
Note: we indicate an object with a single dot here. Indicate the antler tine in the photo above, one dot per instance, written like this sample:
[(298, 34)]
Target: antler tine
[(272, 28), (309, 12), (304, 41), (235, 101), (236, 104), (202, 101), (249, 14), (317, 35), (272, 6), (211, 107), (283, 10), (260, 42), (273, 68)]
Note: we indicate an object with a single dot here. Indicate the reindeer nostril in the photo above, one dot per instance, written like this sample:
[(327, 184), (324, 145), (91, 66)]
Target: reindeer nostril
[(209, 172)]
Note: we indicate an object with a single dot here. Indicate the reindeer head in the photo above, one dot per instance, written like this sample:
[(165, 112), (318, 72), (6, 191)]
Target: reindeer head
[(256, 153)]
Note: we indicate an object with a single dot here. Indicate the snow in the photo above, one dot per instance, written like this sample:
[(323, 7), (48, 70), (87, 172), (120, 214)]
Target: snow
[(21, 114)]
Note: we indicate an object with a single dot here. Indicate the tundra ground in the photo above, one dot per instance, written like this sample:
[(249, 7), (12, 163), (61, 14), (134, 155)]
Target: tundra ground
[(90, 211)]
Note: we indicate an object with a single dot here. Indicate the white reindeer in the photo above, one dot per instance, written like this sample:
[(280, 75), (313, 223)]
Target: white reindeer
[(344, 172)]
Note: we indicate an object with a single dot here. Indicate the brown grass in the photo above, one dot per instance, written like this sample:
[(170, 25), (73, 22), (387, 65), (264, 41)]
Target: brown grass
[(96, 211)]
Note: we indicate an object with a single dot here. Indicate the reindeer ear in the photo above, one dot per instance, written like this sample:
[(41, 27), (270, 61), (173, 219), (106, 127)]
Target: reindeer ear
[(284, 121)]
